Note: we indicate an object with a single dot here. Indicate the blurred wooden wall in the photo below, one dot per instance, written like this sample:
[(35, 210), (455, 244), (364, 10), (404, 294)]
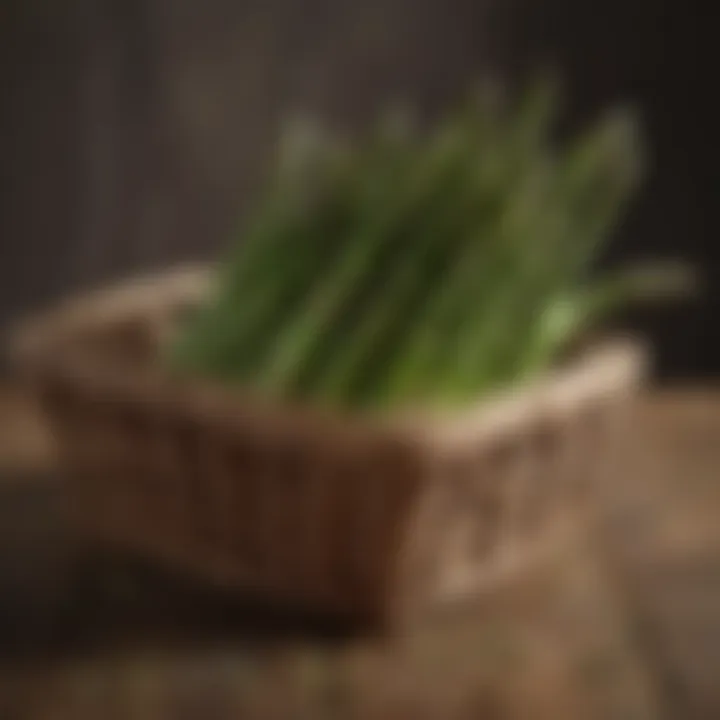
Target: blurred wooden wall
[(134, 131)]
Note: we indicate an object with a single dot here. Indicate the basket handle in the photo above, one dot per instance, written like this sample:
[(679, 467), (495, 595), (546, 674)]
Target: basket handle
[(151, 299)]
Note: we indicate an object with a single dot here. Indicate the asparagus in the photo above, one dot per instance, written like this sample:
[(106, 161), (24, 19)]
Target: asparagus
[(595, 185), (390, 204), (434, 237), (420, 268), (552, 245), (291, 201), (565, 316), (504, 162)]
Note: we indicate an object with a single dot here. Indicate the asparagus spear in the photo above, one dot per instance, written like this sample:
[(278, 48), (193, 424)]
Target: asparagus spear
[(434, 238), (595, 187), (575, 215), (314, 244), (504, 163), (390, 204), (304, 164), (566, 316)]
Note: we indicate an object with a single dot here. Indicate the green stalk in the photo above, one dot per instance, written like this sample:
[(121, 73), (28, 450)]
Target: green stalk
[(391, 203), (567, 316), (507, 160), (595, 200), (387, 310), (307, 160), (305, 169), (434, 238), (585, 199), (239, 330), (228, 331)]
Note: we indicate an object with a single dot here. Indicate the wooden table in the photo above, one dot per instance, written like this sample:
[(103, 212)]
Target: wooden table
[(626, 627)]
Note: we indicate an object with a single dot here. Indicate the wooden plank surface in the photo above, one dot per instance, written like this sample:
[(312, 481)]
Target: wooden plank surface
[(664, 537), (629, 627)]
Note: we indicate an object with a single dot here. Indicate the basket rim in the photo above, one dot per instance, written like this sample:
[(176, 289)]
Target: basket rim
[(613, 366)]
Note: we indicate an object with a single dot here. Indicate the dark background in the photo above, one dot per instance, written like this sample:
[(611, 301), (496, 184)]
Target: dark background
[(133, 132)]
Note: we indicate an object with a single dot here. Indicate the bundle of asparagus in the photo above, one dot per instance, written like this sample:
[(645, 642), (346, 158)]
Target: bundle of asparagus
[(422, 266)]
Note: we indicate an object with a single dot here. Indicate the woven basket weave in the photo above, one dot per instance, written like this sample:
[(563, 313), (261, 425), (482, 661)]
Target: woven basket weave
[(379, 518)]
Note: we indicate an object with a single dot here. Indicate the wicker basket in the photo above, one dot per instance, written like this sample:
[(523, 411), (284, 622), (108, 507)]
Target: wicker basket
[(376, 518)]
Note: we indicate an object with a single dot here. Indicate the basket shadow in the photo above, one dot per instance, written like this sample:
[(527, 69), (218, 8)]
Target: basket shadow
[(53, 605)]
